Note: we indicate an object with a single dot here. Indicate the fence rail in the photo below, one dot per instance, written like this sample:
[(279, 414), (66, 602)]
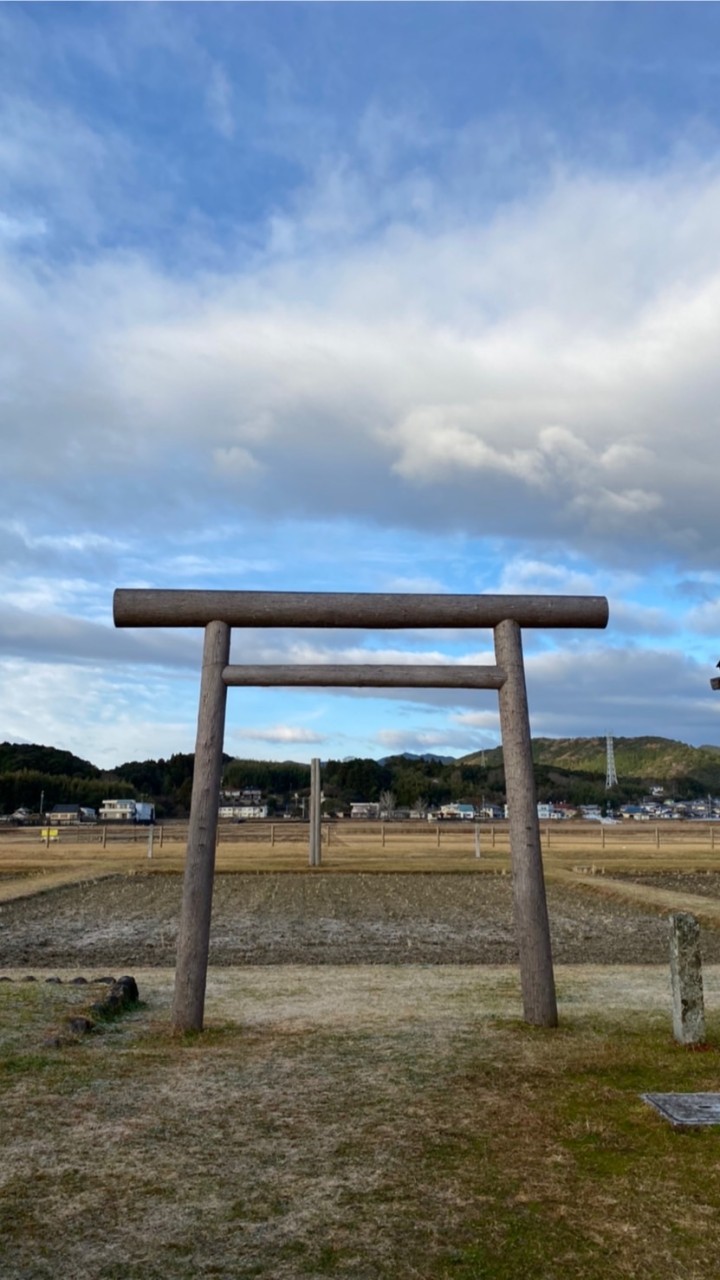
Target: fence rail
[(555, 836)]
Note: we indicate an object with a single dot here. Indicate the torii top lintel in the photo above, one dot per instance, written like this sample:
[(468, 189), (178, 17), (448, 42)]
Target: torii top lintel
[(161, 608)]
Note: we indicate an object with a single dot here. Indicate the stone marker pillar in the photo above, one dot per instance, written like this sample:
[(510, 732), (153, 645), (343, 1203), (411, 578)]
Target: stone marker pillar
[(686, 979)]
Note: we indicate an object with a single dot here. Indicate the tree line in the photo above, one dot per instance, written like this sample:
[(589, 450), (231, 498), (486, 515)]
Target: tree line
[(34, 775)]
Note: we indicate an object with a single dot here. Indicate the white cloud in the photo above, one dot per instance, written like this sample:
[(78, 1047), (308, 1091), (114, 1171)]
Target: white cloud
[(21, 227), (617, 690), (637, 620), (235, 461), (705, 618), (276, 733), (478, 719), (34, 636), (421, 585), (522, 377), (436, 741), (85, 711), (58, 171), (404, 326), (528, 576)]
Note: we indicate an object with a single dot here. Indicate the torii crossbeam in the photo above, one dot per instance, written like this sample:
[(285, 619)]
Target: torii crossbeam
[(219, 611)]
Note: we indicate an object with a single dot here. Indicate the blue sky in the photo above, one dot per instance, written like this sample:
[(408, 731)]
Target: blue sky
[(365, 297)]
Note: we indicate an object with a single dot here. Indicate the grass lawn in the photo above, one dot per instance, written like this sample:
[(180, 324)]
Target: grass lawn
[(358, 1122)]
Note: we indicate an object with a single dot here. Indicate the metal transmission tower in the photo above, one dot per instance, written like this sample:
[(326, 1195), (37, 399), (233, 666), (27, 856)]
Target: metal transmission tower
[(610, 772)]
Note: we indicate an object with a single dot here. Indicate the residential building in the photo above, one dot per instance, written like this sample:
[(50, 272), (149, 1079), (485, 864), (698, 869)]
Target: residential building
[(453, 811), (247, 796), (70, 814), (365, 810), (240, 812), (126, 811), (491, 812)]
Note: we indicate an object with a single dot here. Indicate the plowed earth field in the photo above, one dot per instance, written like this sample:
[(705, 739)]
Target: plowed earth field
[(265, 919)]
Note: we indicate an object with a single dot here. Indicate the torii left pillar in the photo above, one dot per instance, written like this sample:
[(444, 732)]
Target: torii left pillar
[(194, 934)]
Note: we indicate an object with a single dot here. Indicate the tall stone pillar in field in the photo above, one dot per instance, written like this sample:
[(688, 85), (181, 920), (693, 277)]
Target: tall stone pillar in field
[(688, 1006)]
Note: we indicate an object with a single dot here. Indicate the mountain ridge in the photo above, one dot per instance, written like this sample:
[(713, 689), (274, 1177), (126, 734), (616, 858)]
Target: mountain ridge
[(648, 757)]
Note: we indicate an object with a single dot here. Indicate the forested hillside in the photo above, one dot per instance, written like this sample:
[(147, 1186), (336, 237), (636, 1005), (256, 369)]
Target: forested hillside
[(566, 769)]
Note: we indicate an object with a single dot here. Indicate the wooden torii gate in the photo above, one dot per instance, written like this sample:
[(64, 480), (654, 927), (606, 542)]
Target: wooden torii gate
[(218, 611)]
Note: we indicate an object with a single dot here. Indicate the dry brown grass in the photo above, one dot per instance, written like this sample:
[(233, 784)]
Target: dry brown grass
[(281, 846), (356, 1123)]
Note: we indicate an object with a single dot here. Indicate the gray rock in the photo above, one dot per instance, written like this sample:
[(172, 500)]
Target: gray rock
[(129, 988), (80, 1025)]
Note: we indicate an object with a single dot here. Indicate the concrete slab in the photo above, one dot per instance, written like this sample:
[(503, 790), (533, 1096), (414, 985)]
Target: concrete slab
[(686, 1110)]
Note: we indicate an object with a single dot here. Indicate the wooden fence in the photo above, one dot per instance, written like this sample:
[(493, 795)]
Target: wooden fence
[(458, 835)]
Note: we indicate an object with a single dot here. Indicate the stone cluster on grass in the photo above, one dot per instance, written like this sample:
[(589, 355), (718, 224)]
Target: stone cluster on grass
[(122, 994)]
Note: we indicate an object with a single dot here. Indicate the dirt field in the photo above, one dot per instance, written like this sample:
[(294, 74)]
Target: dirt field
[(388, 1115), (265, 919)]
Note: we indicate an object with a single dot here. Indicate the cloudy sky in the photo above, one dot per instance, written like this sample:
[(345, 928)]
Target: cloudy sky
[(399, 297)]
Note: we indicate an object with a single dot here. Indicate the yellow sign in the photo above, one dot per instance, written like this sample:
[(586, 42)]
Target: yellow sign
[(49, 833)]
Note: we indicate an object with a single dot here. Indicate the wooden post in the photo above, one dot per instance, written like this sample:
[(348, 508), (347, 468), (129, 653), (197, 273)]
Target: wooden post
[(151, 833), (272, 835), (712, 837), (531, 917), (162, 829), (492, 837), (104, 836), (477, 840), (194, 933), (382, 834), (657, 837), (602, 836), (438, 833), (315, 852)]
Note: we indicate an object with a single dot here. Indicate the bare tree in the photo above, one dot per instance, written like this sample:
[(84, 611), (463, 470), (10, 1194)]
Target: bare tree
[(387, 804)]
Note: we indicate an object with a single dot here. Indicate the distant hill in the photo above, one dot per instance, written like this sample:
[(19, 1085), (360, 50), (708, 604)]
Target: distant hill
[(660, 761), (16, 757), (428, 756)]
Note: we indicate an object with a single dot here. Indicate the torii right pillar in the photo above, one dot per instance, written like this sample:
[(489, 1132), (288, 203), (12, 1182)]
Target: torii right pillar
[(532, 925)]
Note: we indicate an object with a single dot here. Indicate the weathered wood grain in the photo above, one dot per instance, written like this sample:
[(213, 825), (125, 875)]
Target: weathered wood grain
[(321, 675), (161, 608), (194, 933), (532, 927)]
